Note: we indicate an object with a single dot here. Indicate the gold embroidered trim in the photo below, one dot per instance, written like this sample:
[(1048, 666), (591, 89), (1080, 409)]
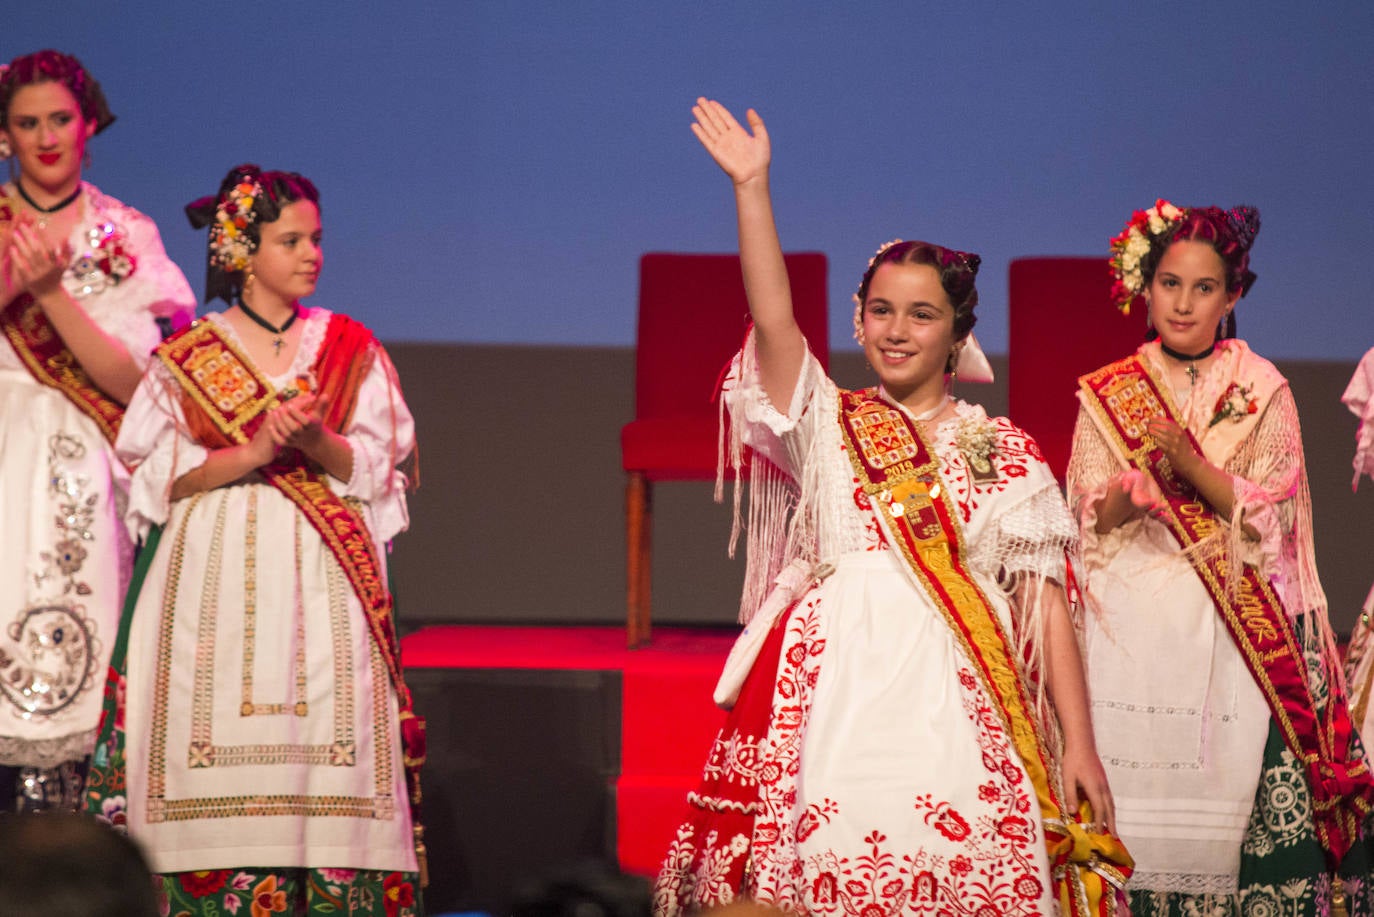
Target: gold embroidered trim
[(202, 752)]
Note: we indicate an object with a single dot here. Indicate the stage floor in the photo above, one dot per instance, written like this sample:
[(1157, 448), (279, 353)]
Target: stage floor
[(550, 746)]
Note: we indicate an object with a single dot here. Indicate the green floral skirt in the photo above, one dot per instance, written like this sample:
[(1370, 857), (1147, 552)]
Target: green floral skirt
[(255, 892), (1282, 868)]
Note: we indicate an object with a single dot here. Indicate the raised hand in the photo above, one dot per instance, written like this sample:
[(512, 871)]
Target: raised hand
[(744, 156)]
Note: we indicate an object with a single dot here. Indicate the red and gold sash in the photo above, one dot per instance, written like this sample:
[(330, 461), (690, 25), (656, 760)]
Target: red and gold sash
[(901, 476), (47, 358), (226, 400), (1124, 396)]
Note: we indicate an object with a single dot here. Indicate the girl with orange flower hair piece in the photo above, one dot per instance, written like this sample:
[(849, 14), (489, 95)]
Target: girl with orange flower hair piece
[(259, 738)]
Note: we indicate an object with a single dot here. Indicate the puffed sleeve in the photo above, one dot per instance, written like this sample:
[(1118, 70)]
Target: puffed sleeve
[(156, 289), (782, 437), (381, 436), (154, 444)]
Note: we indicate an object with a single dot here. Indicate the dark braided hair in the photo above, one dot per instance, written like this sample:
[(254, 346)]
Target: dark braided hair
[(55, 67)]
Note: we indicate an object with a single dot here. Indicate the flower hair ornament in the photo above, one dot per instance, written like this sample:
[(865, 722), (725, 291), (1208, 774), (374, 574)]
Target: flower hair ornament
[(969, 361), (230, 245), (1133, 244)]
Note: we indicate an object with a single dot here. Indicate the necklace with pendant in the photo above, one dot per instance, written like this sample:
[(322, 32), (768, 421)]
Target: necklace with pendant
[(1188, 358), (45, 212), (277, 342)]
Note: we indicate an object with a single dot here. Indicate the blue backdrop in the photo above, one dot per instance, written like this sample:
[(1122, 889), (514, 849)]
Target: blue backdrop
[(490, 171)]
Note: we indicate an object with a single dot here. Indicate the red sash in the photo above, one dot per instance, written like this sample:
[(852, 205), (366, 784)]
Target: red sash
[(901, 476), (226, 401), (47, 358), (1124, 396)]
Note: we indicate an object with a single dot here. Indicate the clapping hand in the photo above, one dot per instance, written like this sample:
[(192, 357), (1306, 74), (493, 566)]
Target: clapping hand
[(30, 263), (297, 423), (1173, 442)]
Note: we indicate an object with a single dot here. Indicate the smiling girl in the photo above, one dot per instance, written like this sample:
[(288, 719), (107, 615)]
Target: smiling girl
[(263, 714), (84, 285), (909, 729), (1216, 689)]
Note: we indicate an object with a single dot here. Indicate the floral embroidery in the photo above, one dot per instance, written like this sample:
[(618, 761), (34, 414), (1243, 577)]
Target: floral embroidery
[(1234, 404), (74, 519), (267, 898), (396, 894), (200, 884), (306, 892)]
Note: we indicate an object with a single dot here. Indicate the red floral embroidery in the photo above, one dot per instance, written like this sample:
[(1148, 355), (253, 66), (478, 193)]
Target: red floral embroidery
[(1016, 829), (200, 884), (943, 818), (396, 894)]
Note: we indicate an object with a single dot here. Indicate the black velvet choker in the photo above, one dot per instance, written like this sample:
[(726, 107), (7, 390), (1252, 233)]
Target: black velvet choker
[(1189, 358), (65, 202), (277, 342)]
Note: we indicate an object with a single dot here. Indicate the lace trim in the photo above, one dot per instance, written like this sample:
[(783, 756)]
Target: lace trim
[(1185, 883), (16, 751)]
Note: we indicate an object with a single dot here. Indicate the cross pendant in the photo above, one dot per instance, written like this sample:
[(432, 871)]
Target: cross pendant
[(278, 344), (1191, 370)]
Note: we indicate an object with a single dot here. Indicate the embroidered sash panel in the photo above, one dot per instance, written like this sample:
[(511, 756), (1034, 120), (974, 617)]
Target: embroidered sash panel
[(50, 362), (230, 400), (1124, 396), (901, 476)]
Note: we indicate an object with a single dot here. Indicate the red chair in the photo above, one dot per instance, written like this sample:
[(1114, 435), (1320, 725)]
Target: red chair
[(1062, 325), (693, 315)]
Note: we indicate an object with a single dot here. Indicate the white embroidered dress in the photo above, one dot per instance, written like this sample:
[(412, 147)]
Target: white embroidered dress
[(65, 558), (261, 725), (885, 778), (1180, 722)]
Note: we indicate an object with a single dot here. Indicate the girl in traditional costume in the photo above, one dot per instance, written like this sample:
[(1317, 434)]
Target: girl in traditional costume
[(909, 730), (84, 286), (1359, 661), (260, 721), (1219, 707)]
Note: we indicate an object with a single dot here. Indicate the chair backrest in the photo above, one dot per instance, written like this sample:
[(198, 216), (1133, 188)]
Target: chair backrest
[(692, 318), (1062, 325)]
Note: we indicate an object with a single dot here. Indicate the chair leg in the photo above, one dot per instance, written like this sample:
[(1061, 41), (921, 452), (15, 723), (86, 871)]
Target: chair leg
[(638, 557)]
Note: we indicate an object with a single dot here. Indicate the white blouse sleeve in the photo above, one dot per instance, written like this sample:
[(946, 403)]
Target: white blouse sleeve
[(155, 290), (381, 436), (1269, 481), (783, 438), (153, 441)]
